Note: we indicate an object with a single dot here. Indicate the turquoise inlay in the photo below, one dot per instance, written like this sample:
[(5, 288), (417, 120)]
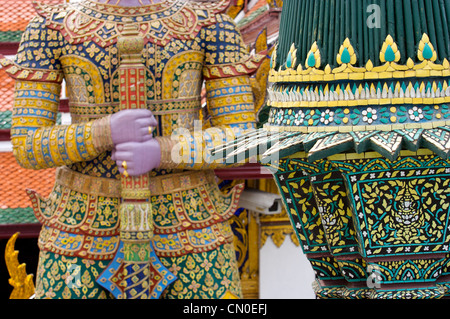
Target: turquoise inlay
[(334, 273), (311, 60), (427, 274), (345, 57), (404, 88), (308, 242), (368, 115), (381, 243), (289, 60), (379, 87), (389, 55), (427, 52)]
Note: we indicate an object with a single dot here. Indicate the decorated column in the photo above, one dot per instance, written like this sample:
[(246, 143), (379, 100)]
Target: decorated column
[(358, 139)]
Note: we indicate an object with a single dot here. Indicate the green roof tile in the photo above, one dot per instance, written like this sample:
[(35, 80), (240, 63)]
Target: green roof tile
[(5, 120), (252, 16), (11, 216), (10, 36)]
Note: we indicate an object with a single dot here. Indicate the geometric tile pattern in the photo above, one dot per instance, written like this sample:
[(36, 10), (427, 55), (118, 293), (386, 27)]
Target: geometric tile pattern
[(320, 146)]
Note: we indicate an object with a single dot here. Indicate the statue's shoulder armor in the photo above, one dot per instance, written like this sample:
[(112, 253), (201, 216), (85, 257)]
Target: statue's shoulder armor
[(213, 6), (52, 12), (26, 68), (90, 21)]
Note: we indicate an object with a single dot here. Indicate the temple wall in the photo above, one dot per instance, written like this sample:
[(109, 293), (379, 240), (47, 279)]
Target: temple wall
[(285, 272)]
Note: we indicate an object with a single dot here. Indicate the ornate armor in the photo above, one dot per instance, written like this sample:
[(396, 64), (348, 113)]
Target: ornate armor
[(186, 42)]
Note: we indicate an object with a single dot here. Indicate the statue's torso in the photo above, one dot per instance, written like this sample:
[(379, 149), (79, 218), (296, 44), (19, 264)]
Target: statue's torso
[(82, 38), (83, 204)]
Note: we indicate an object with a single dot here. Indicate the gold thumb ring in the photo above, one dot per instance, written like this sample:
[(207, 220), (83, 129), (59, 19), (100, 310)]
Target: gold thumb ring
[(124, 165), (150, 130)]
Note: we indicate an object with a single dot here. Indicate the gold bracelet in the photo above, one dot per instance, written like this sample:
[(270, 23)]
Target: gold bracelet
[(101, 133), (167, 144)]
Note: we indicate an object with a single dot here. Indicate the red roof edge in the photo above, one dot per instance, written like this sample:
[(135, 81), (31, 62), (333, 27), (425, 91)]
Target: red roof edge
[(64, 105), (5, 135), (248, 171), (9, 48), (25, 230)]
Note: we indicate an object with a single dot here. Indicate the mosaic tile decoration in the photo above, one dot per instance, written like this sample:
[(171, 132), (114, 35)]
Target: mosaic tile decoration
[(357, 139)]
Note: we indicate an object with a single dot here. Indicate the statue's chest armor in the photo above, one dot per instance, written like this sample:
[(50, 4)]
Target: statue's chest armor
[(173, 78), (173, 56)]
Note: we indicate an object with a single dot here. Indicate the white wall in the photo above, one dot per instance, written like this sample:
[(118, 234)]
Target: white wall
[(285, 272)]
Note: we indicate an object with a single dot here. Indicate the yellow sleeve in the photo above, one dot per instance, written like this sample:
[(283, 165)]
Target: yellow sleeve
[(230, 101), (38, 142)]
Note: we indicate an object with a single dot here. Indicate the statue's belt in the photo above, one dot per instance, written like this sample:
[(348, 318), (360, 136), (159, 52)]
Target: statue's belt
[(81, 111), (110, 187), (91, 238)]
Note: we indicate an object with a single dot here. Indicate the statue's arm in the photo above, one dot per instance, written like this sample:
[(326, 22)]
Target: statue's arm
[(36, 139), (38, 142), (230, 101)]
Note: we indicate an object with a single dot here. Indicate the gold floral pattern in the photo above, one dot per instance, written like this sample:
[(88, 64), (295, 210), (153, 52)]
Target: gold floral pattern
[(61, 277), (205, 276)]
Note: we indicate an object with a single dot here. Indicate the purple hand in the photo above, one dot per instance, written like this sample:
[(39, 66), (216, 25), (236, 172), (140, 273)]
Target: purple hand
[(133, 141), (132, 126), (141, 158)]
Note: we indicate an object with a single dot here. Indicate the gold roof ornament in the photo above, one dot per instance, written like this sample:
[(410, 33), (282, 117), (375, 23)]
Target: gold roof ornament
[(389, 69), (335, 108), (22, 283)]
